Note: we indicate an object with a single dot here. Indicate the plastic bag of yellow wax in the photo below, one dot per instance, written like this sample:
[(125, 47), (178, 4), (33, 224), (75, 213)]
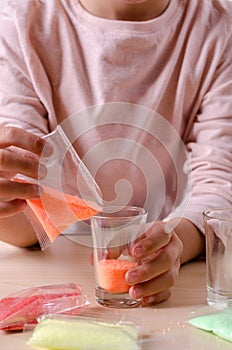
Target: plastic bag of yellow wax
[(217, 321), (77, 333), (69, 193)]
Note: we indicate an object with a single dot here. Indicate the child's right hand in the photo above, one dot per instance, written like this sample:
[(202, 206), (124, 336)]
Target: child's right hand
[(22, 158)]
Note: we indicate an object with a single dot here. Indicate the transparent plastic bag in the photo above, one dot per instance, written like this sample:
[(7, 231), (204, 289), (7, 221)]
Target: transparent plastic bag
[(68, 332), (69, 193), (215, 320), (25, 306)]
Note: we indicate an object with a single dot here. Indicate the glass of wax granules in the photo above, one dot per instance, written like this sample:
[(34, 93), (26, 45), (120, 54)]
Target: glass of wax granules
[(114, 231), (218, 232)]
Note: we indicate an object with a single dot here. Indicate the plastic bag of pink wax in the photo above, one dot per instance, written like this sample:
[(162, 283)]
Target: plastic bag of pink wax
[(25, 306)]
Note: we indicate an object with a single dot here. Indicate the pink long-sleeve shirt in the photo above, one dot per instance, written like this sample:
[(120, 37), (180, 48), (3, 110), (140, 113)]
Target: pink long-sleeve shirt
[(56, 59)]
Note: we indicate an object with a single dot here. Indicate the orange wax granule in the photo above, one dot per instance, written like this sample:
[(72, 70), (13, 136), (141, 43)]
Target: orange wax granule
[(111, 274), (56, 210)]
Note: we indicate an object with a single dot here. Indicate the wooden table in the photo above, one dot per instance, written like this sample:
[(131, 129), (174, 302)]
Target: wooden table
[(67, 261)]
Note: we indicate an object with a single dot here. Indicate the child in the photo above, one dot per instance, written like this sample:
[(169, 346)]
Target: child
[(171, 56)]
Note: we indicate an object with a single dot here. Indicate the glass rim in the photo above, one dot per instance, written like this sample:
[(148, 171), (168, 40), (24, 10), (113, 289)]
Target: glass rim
[(213, 214), (106, 214)]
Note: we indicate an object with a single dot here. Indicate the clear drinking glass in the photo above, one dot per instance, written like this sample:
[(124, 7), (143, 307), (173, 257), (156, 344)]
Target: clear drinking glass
[(218, 231), (114, 231)]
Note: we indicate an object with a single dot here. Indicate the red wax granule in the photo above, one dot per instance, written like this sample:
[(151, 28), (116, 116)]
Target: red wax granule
[(111, 274), (15, 312)]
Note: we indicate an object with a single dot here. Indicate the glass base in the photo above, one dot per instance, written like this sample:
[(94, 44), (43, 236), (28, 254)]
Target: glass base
[(219, 299), (115, 300)]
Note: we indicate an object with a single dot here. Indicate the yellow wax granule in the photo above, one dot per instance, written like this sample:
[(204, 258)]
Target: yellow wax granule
[(84, 335)]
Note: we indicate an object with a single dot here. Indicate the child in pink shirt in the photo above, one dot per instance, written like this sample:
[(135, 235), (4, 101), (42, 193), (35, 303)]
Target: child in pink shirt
[(171, 57)]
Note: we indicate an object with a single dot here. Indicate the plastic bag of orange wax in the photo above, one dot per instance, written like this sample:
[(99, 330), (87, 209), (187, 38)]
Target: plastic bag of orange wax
[(69, 193), (25, 306)]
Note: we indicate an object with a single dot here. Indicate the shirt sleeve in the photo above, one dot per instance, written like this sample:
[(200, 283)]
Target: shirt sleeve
[(19, 103), (210, 144)]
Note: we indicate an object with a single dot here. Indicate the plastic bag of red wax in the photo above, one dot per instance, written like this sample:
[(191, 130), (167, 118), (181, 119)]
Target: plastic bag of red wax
[(69, 193), (25, 306)]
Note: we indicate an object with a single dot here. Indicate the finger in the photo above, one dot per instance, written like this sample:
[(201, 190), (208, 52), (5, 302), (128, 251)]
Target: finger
[(11, 136), (157, 298), (6, 175), (156, 285), (114, 253), (156, 264), (91, 258), (16, 163), (10, 189), (12, 207), (154, 239), (108, 253)]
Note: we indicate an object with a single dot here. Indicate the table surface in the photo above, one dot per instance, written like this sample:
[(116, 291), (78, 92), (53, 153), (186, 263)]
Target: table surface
[(66, 260)]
